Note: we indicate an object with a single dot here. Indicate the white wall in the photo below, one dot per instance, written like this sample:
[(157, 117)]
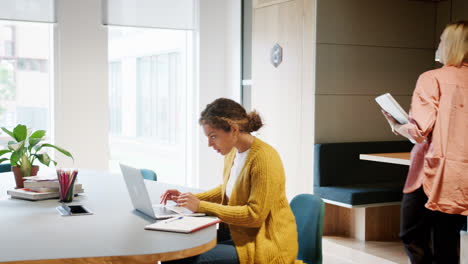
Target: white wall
[(219, 70), (81, 100), (233, 48)]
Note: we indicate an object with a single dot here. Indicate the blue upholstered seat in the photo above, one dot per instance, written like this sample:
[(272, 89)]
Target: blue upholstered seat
[(309, 211), (339, 174), (359, 194), (149, 174), (5, 167)]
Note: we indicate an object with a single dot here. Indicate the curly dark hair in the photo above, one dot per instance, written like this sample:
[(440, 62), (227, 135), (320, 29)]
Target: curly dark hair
[(222, 113)]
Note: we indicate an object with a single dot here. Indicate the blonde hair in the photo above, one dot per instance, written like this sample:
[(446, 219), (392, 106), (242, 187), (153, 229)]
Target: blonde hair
[(455, 44)]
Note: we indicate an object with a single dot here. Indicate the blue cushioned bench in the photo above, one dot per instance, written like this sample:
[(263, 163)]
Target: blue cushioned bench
[(340, 176), (362, 198)]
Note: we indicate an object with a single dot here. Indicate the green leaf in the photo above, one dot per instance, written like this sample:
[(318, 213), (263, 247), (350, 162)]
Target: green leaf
[(16, 146), (15, 157), (38, 134), (55, 163), (33, 142), (5, 151), (8, 132), (43, 158), (20, 132), (64, 152), (2, 160)]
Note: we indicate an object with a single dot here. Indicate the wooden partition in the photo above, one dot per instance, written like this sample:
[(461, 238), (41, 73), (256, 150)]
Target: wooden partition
[(377, 223), (283, 94)]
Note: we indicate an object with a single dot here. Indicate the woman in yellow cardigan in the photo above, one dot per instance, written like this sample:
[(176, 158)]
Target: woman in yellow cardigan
[(252, 199)]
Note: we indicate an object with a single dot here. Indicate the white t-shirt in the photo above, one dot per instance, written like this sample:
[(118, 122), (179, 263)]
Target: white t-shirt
[(237, 166)]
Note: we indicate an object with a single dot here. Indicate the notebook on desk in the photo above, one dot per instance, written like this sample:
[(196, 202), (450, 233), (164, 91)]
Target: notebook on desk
[(183, 224)]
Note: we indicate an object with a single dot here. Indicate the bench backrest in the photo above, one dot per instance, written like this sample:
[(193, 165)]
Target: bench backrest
[(339, 163)]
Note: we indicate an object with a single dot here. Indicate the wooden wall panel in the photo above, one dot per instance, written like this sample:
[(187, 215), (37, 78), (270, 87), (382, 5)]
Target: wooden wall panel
[(380, 223), (343, 118), (365, 70), (459, 10), (395, 23), (362, 51)]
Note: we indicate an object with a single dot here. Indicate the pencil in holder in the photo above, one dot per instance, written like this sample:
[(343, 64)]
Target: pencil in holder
[(66, 180)]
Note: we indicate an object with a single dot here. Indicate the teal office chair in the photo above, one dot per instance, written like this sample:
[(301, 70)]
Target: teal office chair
[(149, 174), (5, 167), (309, 210)]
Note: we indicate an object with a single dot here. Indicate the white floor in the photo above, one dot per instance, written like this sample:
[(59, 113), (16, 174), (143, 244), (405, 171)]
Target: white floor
[(338, 250)]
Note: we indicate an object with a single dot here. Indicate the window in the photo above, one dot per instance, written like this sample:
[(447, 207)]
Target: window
[(149, 81), (25, 78), (115, 97), (8, 40), (158, 89)]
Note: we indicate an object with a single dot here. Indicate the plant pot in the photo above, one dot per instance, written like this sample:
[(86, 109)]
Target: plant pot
[(19, 175)]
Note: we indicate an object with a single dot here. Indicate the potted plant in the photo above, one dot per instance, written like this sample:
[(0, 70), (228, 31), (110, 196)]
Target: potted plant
[(25, 148)]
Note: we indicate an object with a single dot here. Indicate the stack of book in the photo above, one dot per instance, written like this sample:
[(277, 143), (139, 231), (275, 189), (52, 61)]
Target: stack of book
[(41, 189)]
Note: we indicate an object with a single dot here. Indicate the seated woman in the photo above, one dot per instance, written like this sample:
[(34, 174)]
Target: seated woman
[(251, 200)]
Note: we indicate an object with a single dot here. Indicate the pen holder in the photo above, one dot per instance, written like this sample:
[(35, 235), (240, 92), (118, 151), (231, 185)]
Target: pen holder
[(66, 183), (66, 194)]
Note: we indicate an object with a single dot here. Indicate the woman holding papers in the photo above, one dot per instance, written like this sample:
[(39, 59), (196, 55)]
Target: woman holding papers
[(251, 199), (435, 200)]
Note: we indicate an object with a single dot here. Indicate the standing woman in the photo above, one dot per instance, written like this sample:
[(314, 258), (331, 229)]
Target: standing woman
[(435, 200), (251, 200)]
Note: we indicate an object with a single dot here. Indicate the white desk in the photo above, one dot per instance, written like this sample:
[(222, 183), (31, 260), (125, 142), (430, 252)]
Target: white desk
[(402, 158), (34, 231)]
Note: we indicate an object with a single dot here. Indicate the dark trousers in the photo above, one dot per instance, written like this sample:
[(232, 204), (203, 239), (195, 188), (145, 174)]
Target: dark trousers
[(429, 236), (223, 253)]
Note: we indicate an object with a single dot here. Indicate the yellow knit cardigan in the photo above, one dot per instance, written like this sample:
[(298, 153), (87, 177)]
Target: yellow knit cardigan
[(261, 222)]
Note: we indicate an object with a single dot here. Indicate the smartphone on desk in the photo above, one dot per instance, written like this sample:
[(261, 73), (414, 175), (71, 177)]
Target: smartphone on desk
[(73, 210)]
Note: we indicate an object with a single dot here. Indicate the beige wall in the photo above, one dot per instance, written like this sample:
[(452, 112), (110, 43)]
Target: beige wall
[(283, 95), (366, 48)]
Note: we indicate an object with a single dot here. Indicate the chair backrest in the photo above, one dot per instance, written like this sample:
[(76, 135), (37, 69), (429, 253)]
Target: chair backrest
[(149, 174), (5, 167), (309, 211), (339, 163)]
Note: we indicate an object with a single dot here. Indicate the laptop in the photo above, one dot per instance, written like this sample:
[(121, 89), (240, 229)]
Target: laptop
[(141, 200)]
